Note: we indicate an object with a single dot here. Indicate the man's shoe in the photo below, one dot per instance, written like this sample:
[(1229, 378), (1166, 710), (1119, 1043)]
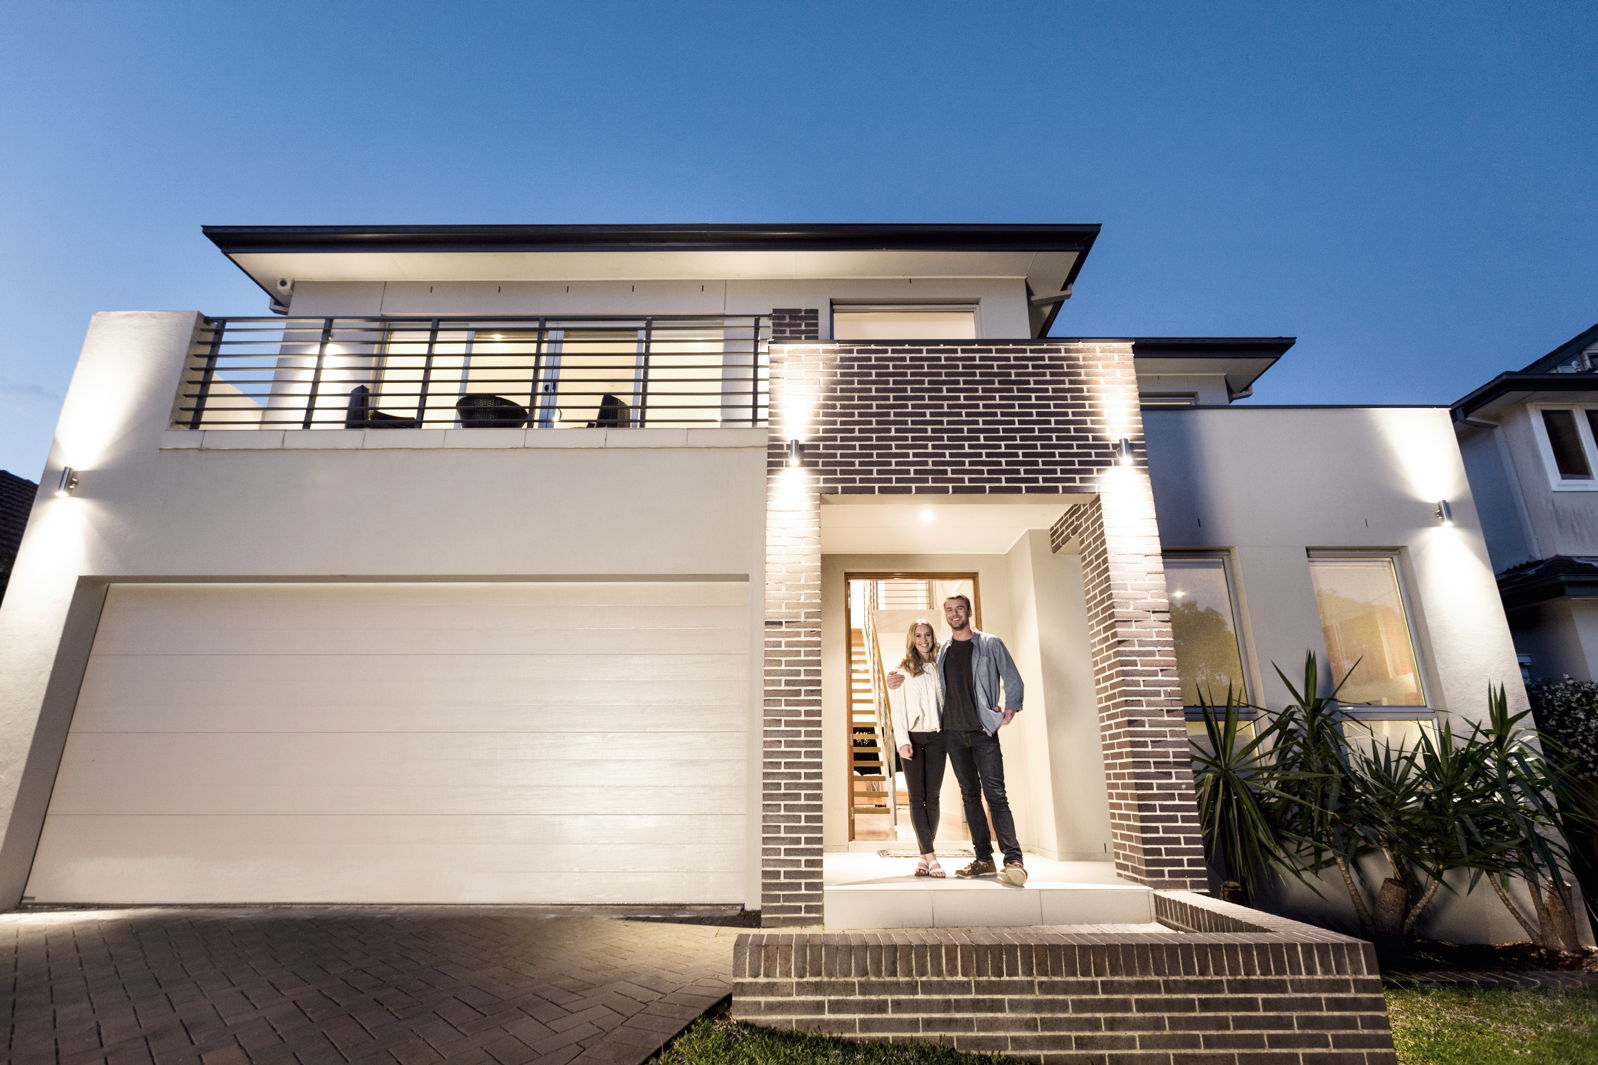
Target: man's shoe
[(976, 868), (1014, 874)]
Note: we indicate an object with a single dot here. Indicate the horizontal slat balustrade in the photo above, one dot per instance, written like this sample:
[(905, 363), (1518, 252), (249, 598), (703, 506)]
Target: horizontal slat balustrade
[(614, 372)]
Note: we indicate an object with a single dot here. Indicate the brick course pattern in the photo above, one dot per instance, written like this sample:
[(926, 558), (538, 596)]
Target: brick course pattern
[(324, 985), (1148, 770), (965, 418), (1236, 988)]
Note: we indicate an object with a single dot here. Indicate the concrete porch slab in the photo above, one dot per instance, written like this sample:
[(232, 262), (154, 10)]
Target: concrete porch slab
[(864, 890)]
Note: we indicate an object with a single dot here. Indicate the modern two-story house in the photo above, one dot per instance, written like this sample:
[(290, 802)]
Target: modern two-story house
[(561, 564), (1530, 441)]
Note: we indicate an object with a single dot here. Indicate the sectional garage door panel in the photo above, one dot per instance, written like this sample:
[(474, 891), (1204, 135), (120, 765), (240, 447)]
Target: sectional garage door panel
[(372, 859), (689, 692), (562, 742)]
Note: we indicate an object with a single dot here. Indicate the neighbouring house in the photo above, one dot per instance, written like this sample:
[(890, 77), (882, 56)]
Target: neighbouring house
[(1530, 442), (16, 501), (561, 564)]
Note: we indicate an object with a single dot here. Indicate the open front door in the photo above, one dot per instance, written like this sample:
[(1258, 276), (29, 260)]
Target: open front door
[(881, 609)]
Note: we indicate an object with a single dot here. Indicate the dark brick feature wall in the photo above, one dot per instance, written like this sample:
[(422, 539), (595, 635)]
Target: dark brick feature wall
[(1148, 771), (960, 418), (1265, 991), (795, 324)]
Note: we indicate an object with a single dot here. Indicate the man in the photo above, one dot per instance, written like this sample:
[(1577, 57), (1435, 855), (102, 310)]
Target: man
[(972, 667)]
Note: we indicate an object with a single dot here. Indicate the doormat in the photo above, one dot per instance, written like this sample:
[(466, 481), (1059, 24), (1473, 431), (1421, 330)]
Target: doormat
[(885, 853)]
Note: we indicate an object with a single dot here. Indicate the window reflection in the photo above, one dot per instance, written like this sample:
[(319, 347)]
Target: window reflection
[(1204, 626), (1366, 631)]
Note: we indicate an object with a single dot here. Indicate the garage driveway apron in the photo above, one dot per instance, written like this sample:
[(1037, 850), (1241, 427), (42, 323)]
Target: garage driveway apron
[(336, 985)]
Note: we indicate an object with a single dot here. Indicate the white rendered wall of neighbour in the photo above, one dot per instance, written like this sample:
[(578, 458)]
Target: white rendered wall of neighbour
[(1032, 598), (1563, 521), (1002, 306), (1267, 484), (1505, 524), (1561, 636), (156, 505)]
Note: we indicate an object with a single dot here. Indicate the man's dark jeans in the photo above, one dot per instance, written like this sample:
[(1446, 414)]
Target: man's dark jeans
[(978, 765)]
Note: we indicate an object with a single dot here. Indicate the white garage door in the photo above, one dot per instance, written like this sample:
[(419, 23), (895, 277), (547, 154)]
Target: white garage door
[(563, 742)]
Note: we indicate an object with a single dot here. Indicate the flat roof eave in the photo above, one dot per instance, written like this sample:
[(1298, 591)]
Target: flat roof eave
[(234, 240)]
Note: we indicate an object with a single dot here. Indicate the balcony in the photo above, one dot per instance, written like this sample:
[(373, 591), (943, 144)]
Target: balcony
[(606, 372)]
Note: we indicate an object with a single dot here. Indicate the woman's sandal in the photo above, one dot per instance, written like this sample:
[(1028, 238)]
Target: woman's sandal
[(934, 870), (922, 868)]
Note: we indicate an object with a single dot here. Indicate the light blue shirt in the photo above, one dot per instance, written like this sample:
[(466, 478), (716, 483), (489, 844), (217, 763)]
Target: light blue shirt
[(991, 665)]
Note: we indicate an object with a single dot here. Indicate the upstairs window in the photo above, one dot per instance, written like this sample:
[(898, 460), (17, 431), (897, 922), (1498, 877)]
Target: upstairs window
[(1568, 439), (1160, 400), (904, 321)]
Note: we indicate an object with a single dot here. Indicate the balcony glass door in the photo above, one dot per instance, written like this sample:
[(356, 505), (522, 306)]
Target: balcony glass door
[(582, 368)]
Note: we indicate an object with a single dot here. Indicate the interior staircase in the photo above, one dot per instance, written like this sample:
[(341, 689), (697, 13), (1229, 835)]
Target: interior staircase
[(871, 773)]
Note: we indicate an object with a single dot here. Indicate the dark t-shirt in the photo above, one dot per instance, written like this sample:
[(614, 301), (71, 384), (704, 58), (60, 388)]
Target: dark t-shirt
[(959, 697)]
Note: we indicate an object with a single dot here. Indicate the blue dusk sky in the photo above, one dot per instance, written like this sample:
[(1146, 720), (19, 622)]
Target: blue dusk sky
[(1411, 189)]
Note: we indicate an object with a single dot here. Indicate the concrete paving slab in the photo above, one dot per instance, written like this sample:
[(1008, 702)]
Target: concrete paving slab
[(336, 985)]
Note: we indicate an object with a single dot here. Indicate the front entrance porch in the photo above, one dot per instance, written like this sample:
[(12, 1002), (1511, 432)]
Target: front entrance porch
[(876, 889)]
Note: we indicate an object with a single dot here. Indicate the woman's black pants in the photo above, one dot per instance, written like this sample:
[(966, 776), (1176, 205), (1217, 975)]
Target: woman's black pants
[(923, 777)]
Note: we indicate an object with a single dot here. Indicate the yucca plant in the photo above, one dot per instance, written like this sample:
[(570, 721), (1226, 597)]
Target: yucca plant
[(1321, 807), (1231, 773), (1528, 790)]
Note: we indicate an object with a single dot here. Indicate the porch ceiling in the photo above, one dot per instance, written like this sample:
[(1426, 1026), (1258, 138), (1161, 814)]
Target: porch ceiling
[(934, 525)]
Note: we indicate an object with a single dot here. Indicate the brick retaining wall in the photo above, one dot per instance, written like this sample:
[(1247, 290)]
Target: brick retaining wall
[(1236, 987)]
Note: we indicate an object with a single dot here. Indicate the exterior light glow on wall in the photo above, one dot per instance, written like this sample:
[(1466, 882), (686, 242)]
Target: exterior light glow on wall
[(796, 453), (1123, 451), (1443, 512), (68, 483)]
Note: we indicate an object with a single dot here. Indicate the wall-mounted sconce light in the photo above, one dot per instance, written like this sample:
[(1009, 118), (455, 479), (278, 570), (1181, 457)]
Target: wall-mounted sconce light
[(1123, 452), (796, 453), (1443, 512), (68, 483)]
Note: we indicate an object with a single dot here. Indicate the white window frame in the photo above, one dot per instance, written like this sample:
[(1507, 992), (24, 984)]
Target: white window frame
[(1424, 711), (905, 307), (1234, 599), (1179, 400), (1584, 433)]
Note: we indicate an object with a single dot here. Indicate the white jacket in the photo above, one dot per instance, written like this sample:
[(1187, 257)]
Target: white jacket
[(917, 705)]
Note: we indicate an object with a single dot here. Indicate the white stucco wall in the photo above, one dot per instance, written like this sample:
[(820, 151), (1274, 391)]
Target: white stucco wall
[(1561, 636), (1500, 502), (1268, 484), (268, 505), (1002, 304), (1063, 795)]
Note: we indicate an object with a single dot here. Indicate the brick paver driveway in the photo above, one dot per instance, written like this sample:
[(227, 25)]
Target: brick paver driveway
[(330, 985)]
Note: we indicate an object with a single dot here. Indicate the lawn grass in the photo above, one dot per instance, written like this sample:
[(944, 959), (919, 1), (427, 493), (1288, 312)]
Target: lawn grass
[(718, 1041), (1478, 1027)]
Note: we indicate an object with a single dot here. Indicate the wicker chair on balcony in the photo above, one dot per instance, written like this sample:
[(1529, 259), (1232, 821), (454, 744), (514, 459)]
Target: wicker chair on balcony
[(613, 414), (361, 414), (479, 410)]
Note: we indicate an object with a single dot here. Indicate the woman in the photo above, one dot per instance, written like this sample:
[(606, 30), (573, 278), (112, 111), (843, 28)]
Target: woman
[(917, 712)]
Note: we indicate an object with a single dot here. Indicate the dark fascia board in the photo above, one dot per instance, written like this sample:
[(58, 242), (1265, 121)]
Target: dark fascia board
[(1580, 342), (1555, 586), (1509, 383), (1211, 347), (239, 240)]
